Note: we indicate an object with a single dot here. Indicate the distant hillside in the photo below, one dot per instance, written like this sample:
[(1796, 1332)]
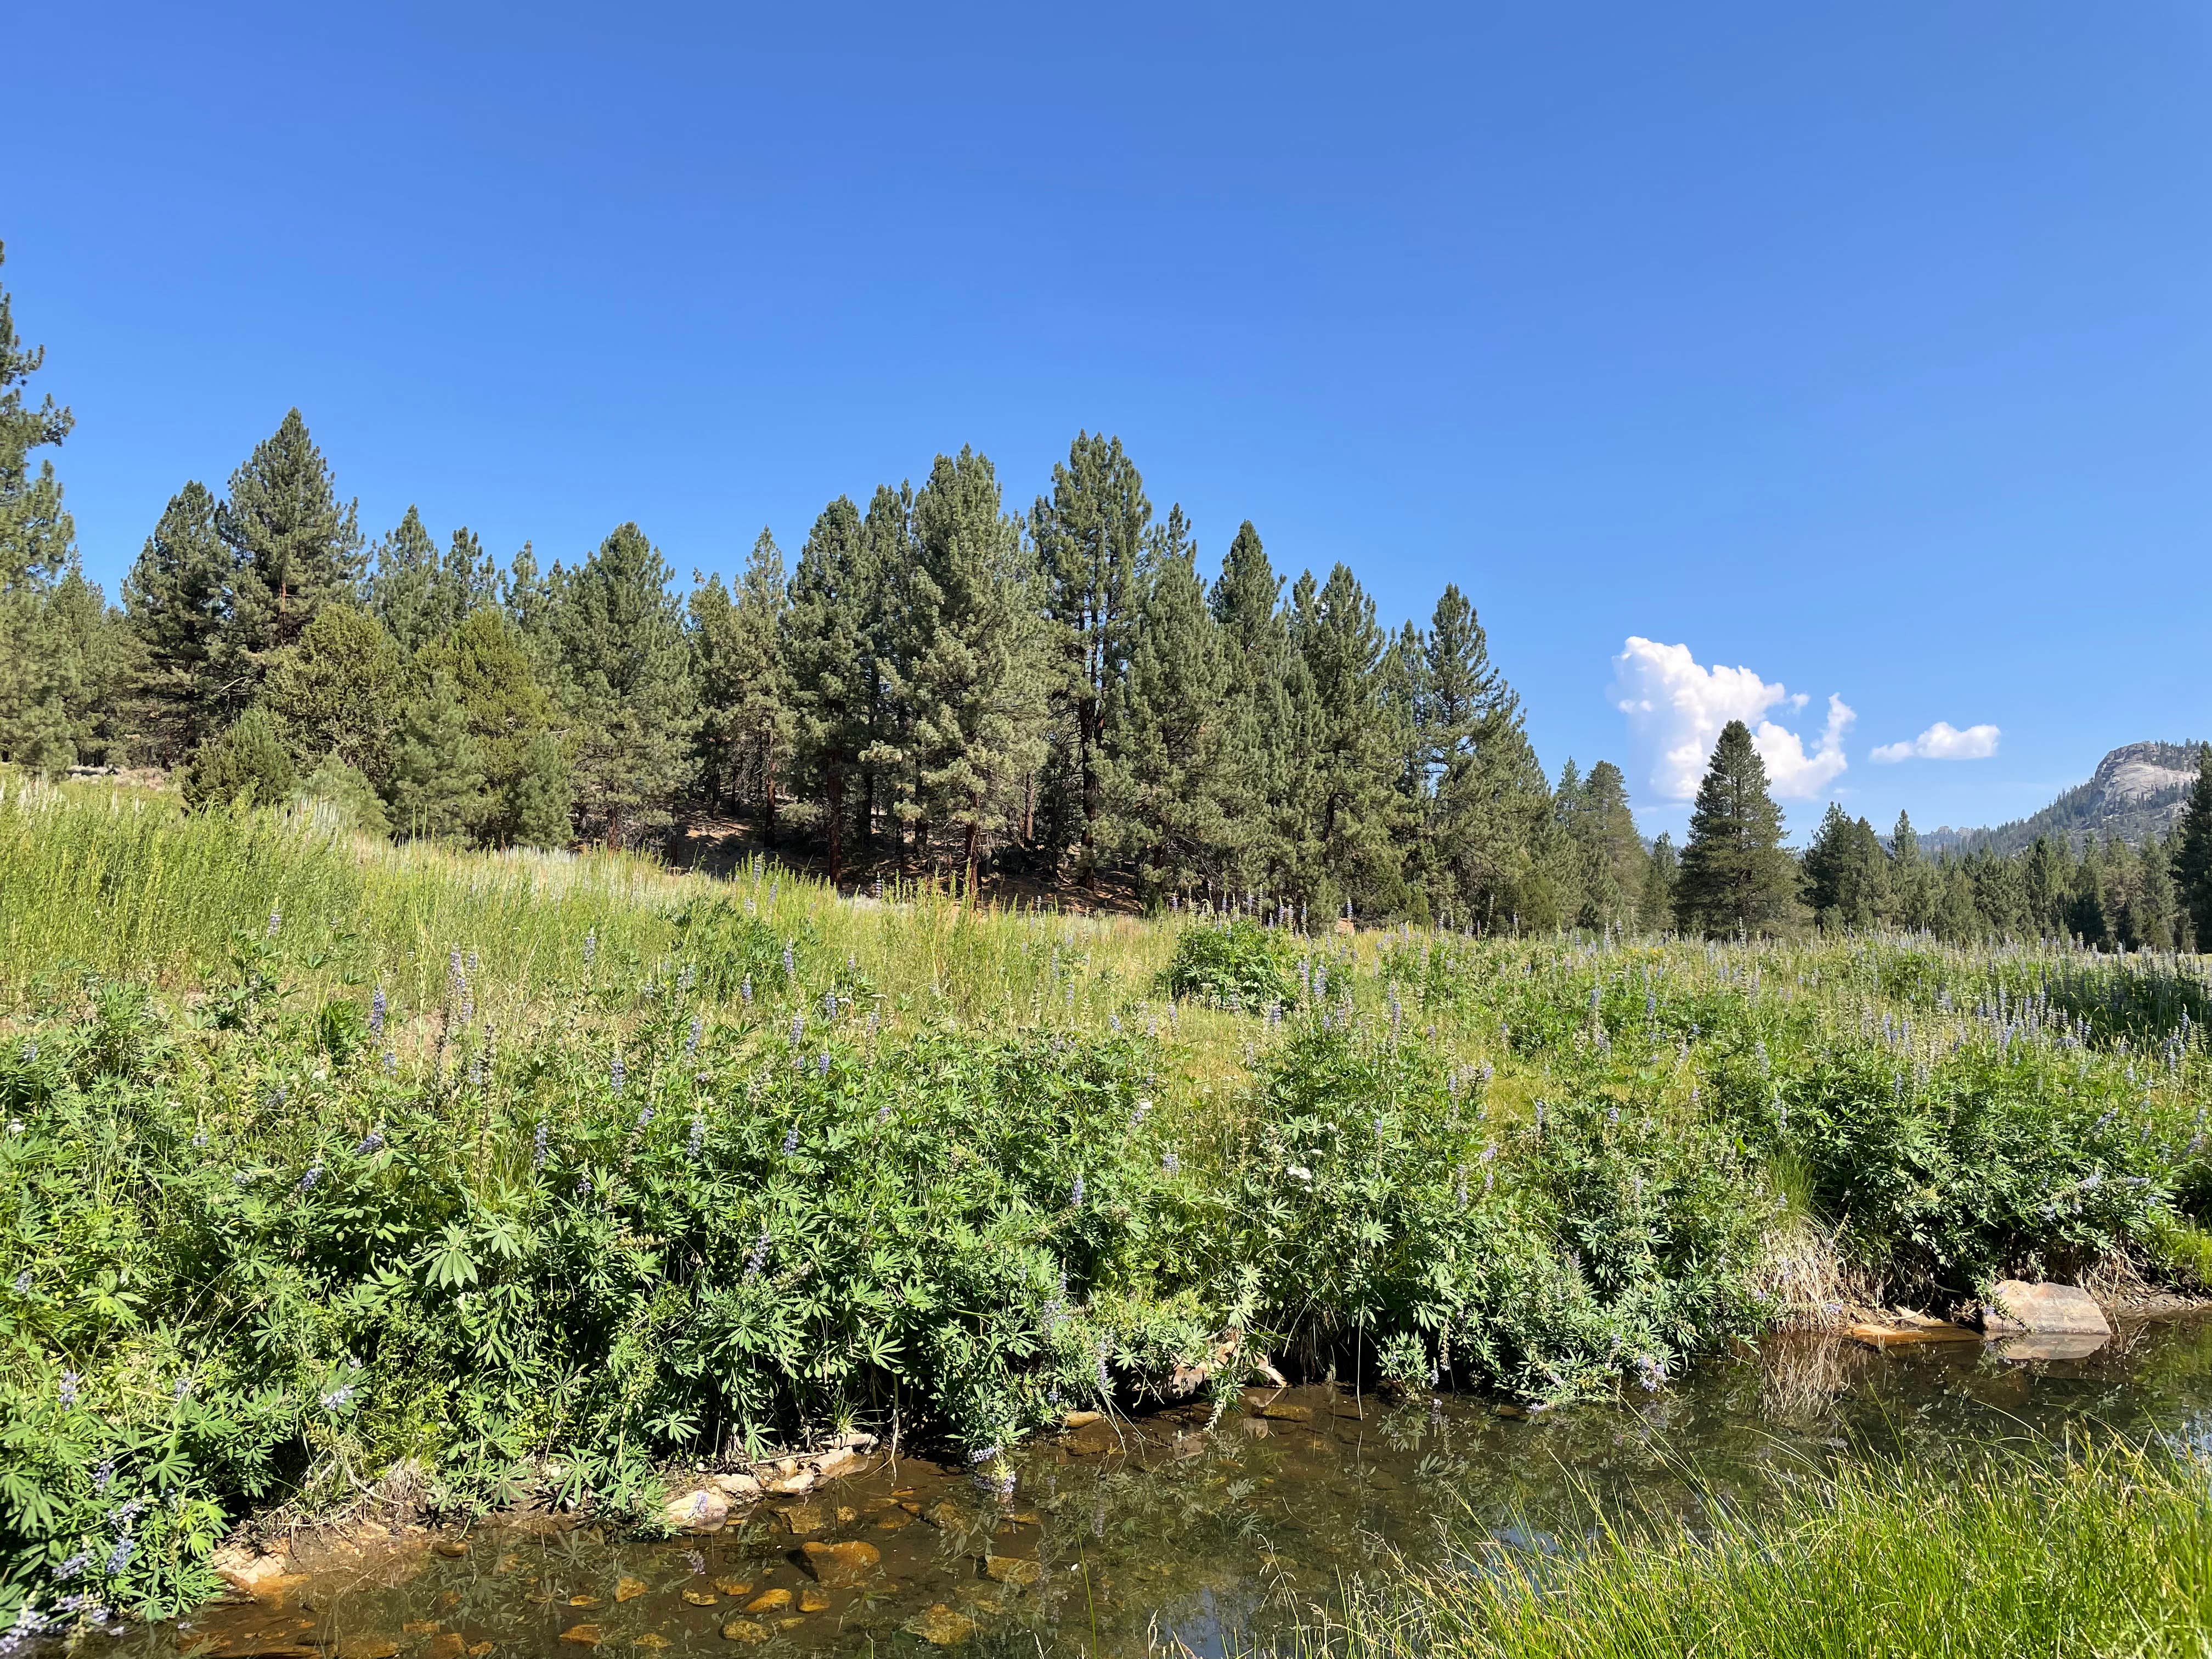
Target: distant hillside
[(2135, 792)]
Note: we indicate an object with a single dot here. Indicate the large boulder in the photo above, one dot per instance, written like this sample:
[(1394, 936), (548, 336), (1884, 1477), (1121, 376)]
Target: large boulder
[(2044, 1309)]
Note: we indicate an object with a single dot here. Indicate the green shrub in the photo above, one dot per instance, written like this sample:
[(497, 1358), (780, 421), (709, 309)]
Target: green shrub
[(1236, 964), (248, 764)]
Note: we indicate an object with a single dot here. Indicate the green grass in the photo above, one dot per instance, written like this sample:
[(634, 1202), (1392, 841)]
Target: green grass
[(546, 1173), (2108, 1553)]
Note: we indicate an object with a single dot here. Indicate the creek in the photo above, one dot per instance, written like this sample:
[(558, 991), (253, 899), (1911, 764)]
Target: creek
[(1182, 1528)]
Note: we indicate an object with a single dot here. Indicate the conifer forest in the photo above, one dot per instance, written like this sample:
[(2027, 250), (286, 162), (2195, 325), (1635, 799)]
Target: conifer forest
[(493, 1036)]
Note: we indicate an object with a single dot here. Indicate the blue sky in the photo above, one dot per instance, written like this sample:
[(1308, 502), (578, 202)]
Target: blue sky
[(1866, 348)]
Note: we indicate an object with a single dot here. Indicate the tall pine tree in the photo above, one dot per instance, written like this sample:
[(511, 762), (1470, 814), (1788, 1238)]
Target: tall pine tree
[(177, 600), (2190, 860), (832, 669), (294, 549), (1736, 878)]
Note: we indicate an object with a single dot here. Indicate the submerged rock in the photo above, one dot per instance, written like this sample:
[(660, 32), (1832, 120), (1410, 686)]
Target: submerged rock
[(941, 1627), (745, 1630), (842, 1564), (1015, 1570)]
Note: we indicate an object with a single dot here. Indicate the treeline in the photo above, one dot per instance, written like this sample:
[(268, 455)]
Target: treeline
[(938, 683)]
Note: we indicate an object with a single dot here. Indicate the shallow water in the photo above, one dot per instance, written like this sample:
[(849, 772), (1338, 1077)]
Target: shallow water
[(1179, 1529)]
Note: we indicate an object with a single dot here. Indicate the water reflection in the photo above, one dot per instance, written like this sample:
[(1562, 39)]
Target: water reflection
[(1121, 1536)]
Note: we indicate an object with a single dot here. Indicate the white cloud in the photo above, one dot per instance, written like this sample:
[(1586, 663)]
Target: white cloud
[(1676, 709), (1942, 741)]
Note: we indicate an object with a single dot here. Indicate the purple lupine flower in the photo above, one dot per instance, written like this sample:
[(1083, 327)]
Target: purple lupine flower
[(745, 991), (790, 959), (644, 1118), (798, 1029), (1169, 1163), (201, 1138), (70, 1568), (391, 1063), (615, 1073), (1651, 1371), (884, 1113), (23, 1282), (828, 1005), (276, 921), (124, 1516), (184, 1390), (538, 1147), (758, 1258), (376, 1007), (1075, 1197), (698, 1133), (591, 947), (119, 1557), (686, 980), (338, 1398), (822, 1063), (307, 1182), (691, 1038), (583, 1186), (791, 1140)]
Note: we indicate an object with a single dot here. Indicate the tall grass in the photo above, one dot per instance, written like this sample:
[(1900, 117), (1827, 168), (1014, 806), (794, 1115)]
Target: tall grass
[(2107, 1554)]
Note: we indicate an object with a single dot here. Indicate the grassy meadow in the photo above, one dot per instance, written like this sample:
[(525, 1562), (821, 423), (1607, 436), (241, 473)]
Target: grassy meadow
[(339, 1173)]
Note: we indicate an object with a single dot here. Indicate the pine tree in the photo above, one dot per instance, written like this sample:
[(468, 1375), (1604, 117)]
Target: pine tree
[(1090, 533), (758, 720), (1611, 852), (1845, 872), (246, 764), (1352, 806), (1164, 777), (293, 550), (437, 775), (177, 600), (626, 673), (508, 713), (2190, 860), (1246, 600), (832, 671), (337, 692), (60, 658), (1660, 869), (1491, 853), (422, 596), (1736, 878), (972, 672)]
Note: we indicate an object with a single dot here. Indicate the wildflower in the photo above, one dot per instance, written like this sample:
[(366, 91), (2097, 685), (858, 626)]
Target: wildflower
[(124, 1516), (758, 1258), (791, 1140), (1075, 1197), (615, 1073), (798, 1030), (104, 1476), (686, 980), (76, 1564), (538, 1147), (1652, 1372), (275, 921), (591, 947), (307, 1182), (884, 1113), (391, 1063), (119, 1557), (983, 1455), (691, 1038), (828, 1005), (1169, 1163), (338, 1398), (183, 1390), (644, 1118), (376, 1007), (23, 1282), (475, 1071), (790, 960), (745, 990), (698, 1134), (278, 1095)]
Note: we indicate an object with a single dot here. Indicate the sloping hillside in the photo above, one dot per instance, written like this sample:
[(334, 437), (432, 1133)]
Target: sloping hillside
[(2137, 792)]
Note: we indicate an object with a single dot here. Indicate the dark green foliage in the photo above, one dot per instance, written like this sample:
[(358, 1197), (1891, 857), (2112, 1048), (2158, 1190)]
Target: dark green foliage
[(293, 547), (345, 791), (177, 600), (1734, 878), (2191, 854), (437, 769), (830, 645), (626, 673), (338, 690), (247, 763), (1168, 775), (421, 596), (1233, 964), (1845, 872), (744, 684), (1091, 533)]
